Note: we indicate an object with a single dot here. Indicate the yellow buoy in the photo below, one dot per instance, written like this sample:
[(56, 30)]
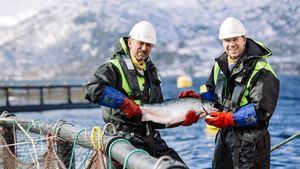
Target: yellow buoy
[(203, 88), (211, 127), (184, 81), (211, 130)]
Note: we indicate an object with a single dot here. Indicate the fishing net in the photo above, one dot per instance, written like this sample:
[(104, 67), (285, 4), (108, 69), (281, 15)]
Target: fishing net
[(25, 150), (22, 157)]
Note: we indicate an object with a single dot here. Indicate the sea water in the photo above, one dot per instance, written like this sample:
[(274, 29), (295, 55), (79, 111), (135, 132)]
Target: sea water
[(195, 143)]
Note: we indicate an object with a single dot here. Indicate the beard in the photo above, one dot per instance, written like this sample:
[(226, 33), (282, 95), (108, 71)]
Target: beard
[(141, 56)]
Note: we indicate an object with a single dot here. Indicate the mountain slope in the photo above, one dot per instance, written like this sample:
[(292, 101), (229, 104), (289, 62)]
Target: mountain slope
[(71, 39)]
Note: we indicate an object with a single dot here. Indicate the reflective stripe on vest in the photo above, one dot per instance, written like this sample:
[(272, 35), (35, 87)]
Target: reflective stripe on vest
[(125, 84), (220, 82), (216, 72), (260, 64)]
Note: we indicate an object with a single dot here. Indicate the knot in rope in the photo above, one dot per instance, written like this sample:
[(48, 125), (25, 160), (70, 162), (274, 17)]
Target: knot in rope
[(96, 137)]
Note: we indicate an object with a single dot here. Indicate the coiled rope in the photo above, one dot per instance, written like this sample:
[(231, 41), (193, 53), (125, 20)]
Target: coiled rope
[(163, 158), (132, 152), (96, 138), (74, 145), (128, 155), (110, 148)]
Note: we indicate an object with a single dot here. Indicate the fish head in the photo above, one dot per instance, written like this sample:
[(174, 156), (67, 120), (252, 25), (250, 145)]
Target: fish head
[(207, 108)]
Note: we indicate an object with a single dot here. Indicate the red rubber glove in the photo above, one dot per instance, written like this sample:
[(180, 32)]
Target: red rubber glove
[(188, 93), (190, 118), (130, 108), (220, 119)]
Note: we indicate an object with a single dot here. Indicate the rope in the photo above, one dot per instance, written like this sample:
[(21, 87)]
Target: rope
[(21, 143), (33, 145), (59, 124), (40, 134), (97, 141), (132, 152), (110, 148), (113, 128), (96, 138), (74, 145), (85, 159), (32, 123), (162, 158), (285, 141)]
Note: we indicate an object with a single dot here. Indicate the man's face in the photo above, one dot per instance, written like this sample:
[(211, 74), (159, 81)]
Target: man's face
[(235, 46), (140, 50)]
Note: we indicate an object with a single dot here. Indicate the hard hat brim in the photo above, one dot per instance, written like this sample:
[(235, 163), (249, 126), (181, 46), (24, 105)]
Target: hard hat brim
[(230, 36)]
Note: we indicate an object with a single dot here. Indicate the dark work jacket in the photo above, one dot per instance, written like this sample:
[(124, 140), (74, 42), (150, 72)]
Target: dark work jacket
[(264, 85), (109, 75), (245, 147)]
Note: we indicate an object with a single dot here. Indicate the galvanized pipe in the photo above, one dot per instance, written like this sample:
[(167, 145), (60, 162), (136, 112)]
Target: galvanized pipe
[(120, 151)]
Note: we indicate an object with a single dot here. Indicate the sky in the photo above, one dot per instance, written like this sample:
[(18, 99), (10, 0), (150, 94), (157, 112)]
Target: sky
[(14, 7), (11, 11)]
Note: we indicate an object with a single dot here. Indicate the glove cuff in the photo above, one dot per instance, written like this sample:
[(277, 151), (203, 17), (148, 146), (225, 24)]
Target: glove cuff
[(130, 108), (111, 98), (208, 96), (245, 116)]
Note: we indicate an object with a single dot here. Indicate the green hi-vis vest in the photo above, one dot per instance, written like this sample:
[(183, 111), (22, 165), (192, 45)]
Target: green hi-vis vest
[(241, 90), (125, 82)]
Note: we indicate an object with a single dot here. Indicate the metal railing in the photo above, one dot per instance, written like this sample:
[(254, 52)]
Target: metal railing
[(24, 98)]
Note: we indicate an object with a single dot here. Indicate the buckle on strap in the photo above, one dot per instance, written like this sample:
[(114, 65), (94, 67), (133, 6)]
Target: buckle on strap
[(147, 130), (227, 105), (136, 95)]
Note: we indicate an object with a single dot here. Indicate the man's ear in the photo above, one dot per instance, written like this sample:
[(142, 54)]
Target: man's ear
[(129, 42), (245, 39)]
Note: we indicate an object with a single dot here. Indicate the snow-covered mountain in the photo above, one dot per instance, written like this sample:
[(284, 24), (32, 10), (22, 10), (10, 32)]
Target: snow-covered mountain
[(71, 39)]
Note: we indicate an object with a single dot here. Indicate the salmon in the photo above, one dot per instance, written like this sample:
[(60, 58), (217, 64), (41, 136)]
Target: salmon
[(173, 111)]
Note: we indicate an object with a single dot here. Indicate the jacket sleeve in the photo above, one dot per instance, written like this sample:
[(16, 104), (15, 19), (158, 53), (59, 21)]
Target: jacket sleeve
[(106, 74), (264, 94)]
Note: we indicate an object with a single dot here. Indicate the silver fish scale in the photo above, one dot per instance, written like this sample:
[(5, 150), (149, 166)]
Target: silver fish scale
[(173, 111)]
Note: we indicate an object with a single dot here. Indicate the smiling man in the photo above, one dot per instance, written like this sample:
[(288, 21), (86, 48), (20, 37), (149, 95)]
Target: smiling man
[(125, 82), (245, 90)]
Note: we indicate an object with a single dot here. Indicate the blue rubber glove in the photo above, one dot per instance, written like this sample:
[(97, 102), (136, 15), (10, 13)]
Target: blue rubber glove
[(111, 98), (208, 96), (114, 99), (245, 116)]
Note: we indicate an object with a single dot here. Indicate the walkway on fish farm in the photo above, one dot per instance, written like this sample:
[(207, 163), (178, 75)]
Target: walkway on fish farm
[(24, 98)]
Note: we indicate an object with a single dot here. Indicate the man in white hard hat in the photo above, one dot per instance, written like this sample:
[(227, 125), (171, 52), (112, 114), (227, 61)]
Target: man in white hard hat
[(128, 80), (245, 89)]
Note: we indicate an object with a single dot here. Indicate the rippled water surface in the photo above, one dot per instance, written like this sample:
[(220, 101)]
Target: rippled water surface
[(195, 144)]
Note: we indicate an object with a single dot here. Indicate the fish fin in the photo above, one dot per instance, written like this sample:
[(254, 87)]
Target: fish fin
[(203, 114), (171, 125), (208, 109)]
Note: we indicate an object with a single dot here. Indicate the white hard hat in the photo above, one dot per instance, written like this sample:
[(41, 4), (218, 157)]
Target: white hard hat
[(231, 27), (143, 31)]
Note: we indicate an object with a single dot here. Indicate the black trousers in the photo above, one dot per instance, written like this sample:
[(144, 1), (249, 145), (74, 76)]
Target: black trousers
[(242, 149)]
